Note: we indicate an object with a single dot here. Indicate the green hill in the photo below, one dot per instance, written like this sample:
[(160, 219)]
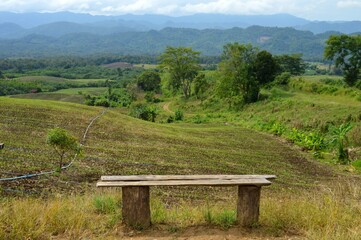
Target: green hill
[(119, 144)]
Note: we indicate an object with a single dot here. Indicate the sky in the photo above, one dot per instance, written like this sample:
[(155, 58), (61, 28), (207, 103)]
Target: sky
[(331, 10)]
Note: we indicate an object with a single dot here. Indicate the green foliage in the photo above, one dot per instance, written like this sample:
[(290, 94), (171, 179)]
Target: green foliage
[(178, 115), (149, 81), (182, 64), (238, 82), (340, 141), (118, 97), (358, 84), (265, 67), (105, 204), (144, 112), (345, 51), (63, 143), (225, 218), (151, 98), (311, 141), (282, 79), (200, 85), (293, 64)]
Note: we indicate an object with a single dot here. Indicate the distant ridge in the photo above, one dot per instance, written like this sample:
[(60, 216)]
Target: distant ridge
[(208, 42)]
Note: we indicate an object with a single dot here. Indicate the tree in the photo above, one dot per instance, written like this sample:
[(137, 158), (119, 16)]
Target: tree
[(63, 144), (200, 85), (346, 52), (293, 64), (1, 75), (265, 67), (238, 83), (182, 64), (149, 81)]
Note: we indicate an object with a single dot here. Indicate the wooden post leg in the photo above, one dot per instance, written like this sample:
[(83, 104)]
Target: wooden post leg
[(248, 205), (136, 209)]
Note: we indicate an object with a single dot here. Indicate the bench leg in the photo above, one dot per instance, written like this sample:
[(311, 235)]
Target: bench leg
[(136, 209), (248, 205)]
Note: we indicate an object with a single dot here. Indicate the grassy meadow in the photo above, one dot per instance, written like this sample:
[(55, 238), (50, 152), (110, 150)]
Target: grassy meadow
[(312, 197)]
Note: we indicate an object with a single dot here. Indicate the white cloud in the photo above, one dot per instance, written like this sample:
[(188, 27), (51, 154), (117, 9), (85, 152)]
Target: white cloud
[(349, 4), (314, 9)]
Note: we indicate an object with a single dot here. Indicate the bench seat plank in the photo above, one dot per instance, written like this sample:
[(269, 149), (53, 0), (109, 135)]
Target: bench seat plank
[(202, 182), (182, 177)]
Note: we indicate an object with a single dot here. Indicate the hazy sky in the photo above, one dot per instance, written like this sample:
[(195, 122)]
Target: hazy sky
[(310, 9)]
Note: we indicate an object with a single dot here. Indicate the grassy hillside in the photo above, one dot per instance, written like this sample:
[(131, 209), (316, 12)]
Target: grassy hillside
[(119, 144), (310, 199)]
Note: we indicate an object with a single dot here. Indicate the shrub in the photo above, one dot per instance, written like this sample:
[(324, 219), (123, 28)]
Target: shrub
[(143, 111), (282, 79), (178, 116), (311, 141)]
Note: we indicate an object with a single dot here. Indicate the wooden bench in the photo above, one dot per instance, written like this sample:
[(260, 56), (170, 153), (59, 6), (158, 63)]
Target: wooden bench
[(135, 193)]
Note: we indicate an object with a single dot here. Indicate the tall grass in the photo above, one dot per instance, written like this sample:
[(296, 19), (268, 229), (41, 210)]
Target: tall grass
[(324, 213)]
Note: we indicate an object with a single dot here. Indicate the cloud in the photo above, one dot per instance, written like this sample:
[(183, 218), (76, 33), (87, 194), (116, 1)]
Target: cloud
[(307, 8), (349, 4)]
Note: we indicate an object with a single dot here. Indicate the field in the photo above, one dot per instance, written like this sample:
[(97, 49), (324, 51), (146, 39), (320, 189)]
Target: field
[(311, 198)]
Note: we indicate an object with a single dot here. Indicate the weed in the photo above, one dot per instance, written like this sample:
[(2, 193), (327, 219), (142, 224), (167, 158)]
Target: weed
[(105, 204)]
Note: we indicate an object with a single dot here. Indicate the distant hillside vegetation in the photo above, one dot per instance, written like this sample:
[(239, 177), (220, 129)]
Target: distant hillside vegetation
[(208, 42)]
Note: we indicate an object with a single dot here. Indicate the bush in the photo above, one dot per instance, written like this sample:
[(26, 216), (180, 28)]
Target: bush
[(178, 116), (143, 111), (282, 79)]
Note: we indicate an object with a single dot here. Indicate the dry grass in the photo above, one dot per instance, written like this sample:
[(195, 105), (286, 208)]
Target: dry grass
[(322, 213)]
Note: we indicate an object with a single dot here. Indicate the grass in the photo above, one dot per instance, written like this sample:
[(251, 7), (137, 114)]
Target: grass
[(55, 79), (309, 199), (328, 213), (65, 95)]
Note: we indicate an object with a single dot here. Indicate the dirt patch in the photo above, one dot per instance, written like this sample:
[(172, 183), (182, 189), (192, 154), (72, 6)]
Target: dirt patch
[(166, 108), (199, 233)]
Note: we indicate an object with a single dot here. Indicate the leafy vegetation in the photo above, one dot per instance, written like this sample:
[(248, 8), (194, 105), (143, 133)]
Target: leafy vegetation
[(182, 65), (63, 144), (345, 50)]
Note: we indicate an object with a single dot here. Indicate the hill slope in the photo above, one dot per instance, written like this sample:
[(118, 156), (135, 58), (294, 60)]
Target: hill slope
[(119, 144), (209, 42)]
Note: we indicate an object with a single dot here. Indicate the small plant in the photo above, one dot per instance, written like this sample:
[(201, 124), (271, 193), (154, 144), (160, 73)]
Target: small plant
[(63, 144), (311, 141), (105, 204), (178, 116), (340, 141)]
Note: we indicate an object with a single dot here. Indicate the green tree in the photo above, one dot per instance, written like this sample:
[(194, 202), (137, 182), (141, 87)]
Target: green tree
[(1, 75), (346, 52), (265, 67), (149, 81), (200, 85), (63, 144), (293, 64), (238, 82), (182, 64)]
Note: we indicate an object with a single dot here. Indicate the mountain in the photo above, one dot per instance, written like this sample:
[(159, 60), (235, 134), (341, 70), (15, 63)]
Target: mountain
[(30, 20), (208, 42), (320, 27), (155, 22), (67, 22), (10, 30)]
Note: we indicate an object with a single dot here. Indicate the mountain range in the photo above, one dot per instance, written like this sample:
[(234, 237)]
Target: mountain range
[(65, 33), (18, 25)]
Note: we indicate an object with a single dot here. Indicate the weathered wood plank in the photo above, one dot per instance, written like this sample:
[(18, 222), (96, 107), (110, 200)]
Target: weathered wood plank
[(136, 207), (181, 177), (209, 182), (248, 205)]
